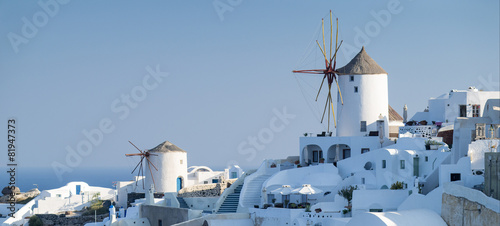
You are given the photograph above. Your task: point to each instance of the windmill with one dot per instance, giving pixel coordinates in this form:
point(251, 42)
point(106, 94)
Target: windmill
point(329, 73)
point(144, 155)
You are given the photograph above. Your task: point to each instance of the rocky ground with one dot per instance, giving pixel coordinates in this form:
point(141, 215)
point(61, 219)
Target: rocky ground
point(20, 197)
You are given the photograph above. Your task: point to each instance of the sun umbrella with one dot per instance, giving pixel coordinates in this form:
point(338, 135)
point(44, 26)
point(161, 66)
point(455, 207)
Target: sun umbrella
point(307, 189)
point(284, 191)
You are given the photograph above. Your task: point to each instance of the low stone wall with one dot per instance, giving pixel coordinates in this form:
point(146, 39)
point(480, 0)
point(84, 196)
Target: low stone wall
point(163, 214)
point(55, 220)
point(465, 206)
point(205, 190)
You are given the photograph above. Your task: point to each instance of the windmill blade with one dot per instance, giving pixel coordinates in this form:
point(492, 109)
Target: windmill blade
point(324, 47)
point(320, 87)
point(333, 111)
point(331, 34)
point(139, 171)
point(340, 93)
point(322, 51)
point(137, 165)
point(320, 71)
point(136, 154)
point(151, 174)
point(326, 105)
point(135, 146)
point(328, 126)
point(149, 161)
point(143, 178)
point(334, 58)
point(336, 34)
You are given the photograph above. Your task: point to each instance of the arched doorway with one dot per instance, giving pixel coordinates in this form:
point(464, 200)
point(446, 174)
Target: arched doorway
point(179, 183)
point(311, 154)
point(338, 152)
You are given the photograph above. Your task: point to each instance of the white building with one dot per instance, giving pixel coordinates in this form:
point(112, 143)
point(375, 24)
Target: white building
point(74, 196)
point(457, 103)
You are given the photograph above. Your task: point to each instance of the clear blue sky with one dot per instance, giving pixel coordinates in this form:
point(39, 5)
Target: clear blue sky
point(225, 77)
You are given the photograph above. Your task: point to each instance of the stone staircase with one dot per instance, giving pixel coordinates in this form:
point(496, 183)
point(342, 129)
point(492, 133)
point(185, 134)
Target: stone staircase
point(182, 203)
point(230, 204)
point(253, 190)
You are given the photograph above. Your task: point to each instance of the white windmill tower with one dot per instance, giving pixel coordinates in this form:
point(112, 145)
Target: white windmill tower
point(364, 90)
point(165, 166)
point(171, 162)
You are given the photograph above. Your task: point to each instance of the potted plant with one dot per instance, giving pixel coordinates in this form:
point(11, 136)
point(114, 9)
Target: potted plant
point(273, 165)
point(347, 192)
point(432, 145)
point(297, 162)
point(322, 160)
point(318, 210)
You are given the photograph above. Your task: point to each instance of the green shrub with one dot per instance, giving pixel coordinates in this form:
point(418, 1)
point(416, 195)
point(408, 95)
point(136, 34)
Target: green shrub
point(346, 192)
point(35, 221)
point(397, 185)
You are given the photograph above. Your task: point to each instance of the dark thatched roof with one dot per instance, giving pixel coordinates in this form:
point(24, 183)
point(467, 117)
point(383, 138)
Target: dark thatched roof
point(393, 115)
point(166, 147)
point(361, 64)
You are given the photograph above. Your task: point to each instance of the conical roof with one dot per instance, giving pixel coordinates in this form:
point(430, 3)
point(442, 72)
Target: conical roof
point(166, 147)
point(361, 64)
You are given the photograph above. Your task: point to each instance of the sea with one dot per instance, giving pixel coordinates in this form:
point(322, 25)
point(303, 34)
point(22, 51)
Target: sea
point(27, 178)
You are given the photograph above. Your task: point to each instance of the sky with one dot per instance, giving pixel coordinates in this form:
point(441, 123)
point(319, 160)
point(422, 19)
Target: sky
point(82, 78)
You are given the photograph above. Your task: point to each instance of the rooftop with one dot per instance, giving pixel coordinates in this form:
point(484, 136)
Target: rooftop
point(361, 64)
point(166, 147)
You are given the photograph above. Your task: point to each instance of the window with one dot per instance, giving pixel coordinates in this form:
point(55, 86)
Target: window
point(383, 164)
point(454, 176)
point(363, 180)
point(351, 78)
point(234, 175)
point(363, 126)
point(462, 111)
point(475, 110)
point(355, 89)
point(426, 158)
point(215, 181)
point(402, 164)
point(160, 223)
point(364, 150)
point(376, 210)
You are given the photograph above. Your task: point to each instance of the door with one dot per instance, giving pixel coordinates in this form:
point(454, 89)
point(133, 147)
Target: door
point(416, 166)
point(179, 183)
point(78, 189)
point(346, 153)
point(463, 111)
